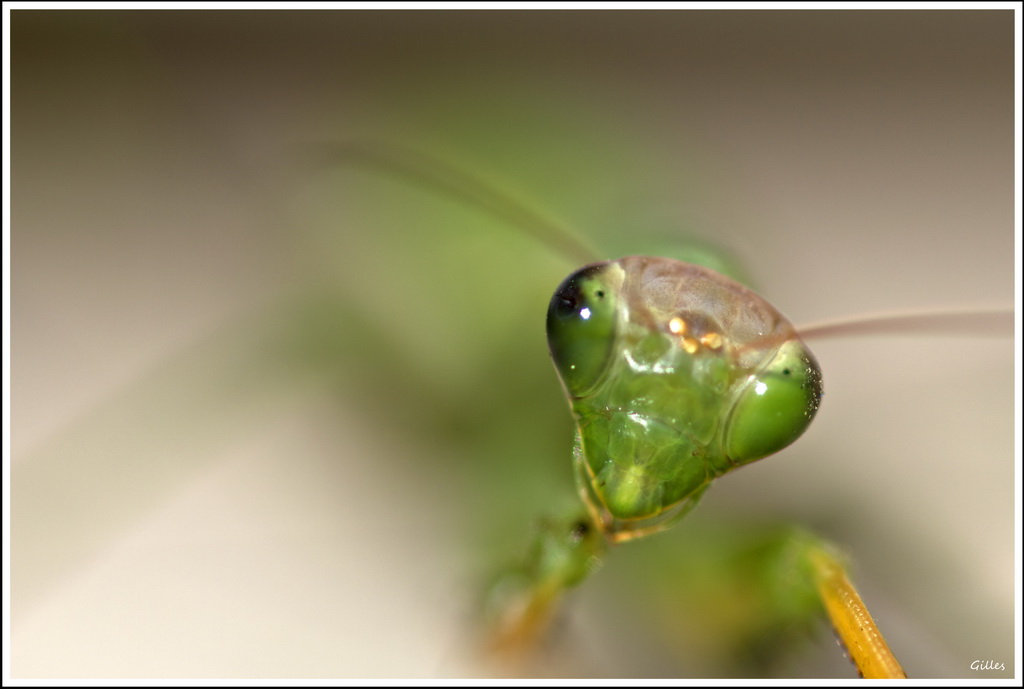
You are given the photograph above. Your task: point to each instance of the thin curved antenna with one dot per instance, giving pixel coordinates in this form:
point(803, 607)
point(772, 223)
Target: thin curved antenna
point(436, 175)
point(967, 323)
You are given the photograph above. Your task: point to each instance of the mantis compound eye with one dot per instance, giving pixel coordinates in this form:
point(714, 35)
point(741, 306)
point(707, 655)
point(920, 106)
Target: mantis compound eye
point(581, 327)
point(776, 405)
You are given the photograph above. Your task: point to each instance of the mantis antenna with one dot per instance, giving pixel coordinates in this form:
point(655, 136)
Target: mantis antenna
point(993, 322)
point(448, 180)
point(438, 176)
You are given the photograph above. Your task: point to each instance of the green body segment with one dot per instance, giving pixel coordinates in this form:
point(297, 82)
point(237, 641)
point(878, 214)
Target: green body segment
point(675, 375)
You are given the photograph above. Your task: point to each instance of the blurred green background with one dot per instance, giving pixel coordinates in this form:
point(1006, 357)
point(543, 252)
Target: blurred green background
point(275, 422)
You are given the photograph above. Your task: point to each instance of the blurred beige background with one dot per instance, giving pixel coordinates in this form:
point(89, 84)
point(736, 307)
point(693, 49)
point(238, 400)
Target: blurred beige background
point(275, 423)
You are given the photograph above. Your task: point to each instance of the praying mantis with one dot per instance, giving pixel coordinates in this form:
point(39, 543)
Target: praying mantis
point(209, 520)
point(632, 451)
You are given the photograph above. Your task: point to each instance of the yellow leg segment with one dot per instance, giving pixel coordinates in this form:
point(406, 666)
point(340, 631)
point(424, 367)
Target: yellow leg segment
point(851, 619)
